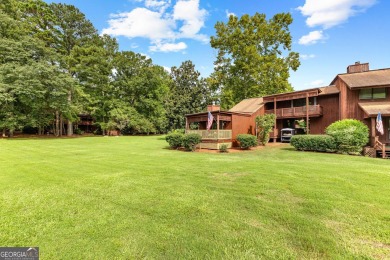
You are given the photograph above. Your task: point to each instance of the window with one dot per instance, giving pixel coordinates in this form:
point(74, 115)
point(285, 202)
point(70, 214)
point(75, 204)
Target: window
point(365, 93)
point(372, 93)
point(378, 93)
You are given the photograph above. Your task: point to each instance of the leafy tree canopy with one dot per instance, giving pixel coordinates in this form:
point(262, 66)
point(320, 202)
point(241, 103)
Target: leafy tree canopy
point(254, 57)
point(188, 94)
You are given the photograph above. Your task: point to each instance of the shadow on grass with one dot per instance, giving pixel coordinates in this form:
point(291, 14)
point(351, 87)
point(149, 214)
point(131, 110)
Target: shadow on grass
point(169, 148)
point(288, 149)
point(47, 138)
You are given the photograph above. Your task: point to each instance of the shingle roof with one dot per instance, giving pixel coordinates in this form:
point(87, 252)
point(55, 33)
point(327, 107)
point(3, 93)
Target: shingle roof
point(373, 108)
point(367, 79)
point(329, 90)
point(250, 105)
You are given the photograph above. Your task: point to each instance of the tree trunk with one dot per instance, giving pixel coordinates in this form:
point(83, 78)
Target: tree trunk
point(57, 126)
point(70, 124)
point(11, 133)
point(103, 129)
point(61, 125)
point(70, 128)
point(4, 132)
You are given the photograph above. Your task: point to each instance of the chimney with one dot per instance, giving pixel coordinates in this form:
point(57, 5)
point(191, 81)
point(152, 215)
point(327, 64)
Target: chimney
point(211, 108)
point(358, 67)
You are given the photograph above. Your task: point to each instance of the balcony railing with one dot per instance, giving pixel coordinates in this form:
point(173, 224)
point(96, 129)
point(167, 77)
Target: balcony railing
point(212, 134)
point(291, 112)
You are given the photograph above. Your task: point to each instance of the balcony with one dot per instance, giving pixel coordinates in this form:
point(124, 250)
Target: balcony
point(294, 112)
point(212, 134)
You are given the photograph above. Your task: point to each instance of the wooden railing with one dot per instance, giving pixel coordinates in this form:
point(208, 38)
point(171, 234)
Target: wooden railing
point(212, 134)
point(314, 110)
point(379, 146)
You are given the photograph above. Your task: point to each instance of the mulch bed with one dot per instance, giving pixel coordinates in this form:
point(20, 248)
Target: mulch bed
point(238, 150)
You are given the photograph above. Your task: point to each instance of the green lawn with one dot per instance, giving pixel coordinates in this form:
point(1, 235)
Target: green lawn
point(131, 197)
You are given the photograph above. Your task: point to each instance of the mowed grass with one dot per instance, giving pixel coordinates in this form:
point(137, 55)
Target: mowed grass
point(133, 198)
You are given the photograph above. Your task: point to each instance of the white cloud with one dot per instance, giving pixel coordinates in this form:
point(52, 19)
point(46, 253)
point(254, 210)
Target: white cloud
point(146, 55)
point(168, 47)
point(161, 27)
point(193, 18)
point(228, 14)
point(329, 13)
point(140, 22)
point(159, 6)
point(307, 56)
point(167, 69)
point(311, 38)
point(156, 4)
point(317, 83)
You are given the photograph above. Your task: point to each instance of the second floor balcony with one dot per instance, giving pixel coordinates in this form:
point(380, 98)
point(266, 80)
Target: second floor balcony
point(295, 112)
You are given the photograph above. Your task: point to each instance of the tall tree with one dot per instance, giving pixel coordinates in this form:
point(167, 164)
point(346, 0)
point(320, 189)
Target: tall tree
point(188, 94)
point(143, 87)
point(54, 65)
point(71, 29)
point(93, 66)
point(254, 57)
point(30, 82)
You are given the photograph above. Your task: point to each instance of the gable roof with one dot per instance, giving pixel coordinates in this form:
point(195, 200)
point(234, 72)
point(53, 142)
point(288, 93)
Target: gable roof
point(250, 106)
point(372, 78)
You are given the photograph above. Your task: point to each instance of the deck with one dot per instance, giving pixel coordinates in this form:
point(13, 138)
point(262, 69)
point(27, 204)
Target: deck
point(295, 112)
point(381, 149)
point(213, 139)
point(212, 134)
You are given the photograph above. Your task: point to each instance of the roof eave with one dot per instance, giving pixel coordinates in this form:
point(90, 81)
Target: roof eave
point(220, 111)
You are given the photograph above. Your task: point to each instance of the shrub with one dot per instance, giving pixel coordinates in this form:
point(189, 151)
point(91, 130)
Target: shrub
point(246, 141)
point(178, 131)
point(264, 125)
point(77, 131)
point(175, 140)
point(190, 141)
point(350, 135)
point(223, 148)
point(319, 143)
point(98, 131)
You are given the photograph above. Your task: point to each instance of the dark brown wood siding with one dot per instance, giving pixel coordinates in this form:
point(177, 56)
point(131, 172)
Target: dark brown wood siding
point(349, 108)
point(244, 124)
point(342, 98)
point(349, 99)
point(330, 113)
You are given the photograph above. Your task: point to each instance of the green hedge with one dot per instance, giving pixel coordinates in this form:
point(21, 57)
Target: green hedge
point(175, 139)
point(319, 143)
point(246, 141)
point(190, 141)
point(350, 135)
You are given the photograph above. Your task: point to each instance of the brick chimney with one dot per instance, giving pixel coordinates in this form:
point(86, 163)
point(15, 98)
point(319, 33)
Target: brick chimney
point(211, 108)
point(358, 67)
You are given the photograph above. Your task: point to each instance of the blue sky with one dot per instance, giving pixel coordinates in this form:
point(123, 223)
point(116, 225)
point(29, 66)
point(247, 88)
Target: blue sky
point(328, 34)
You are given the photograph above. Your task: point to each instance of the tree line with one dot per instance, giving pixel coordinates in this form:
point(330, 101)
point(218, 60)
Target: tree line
point(54, 67)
